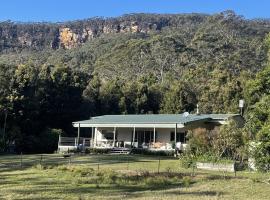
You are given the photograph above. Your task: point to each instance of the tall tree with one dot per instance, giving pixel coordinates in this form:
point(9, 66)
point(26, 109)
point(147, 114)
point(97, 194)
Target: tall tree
point(178, 99)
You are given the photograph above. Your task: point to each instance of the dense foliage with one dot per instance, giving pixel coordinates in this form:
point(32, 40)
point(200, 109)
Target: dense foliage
point(226, 142)
point(258, 118)
point(253, 140)
point(168, 65)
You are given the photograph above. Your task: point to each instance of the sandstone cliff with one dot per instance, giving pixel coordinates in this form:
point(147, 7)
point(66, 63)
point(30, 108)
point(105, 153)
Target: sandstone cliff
point(37, 36)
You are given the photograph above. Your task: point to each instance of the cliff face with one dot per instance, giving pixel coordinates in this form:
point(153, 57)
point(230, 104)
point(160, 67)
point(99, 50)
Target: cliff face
point(15, 37)
point(70, 38)
point(37, 36)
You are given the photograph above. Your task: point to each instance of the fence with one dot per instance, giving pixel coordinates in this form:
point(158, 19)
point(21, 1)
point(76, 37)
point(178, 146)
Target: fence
point(98, 162)
point(72, 143)
point(156, 164)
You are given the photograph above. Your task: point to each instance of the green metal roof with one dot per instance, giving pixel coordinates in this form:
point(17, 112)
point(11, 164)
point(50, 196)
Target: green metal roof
point(154, 118)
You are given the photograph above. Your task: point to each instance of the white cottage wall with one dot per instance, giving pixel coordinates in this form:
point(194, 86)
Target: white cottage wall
point(125, 134)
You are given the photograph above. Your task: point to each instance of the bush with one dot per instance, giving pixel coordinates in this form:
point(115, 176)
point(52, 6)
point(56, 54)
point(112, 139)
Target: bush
point(84, 171)
point(187, 160)
point(212, 158)
point(143, 173)
point(200, 140)
point(45, 142)
point(230, 141)
point(108, 177)
point(84, 175)
point(156, 181)
point(154, 153)
point(96, 151)
point(261, 152)
point(186, 181)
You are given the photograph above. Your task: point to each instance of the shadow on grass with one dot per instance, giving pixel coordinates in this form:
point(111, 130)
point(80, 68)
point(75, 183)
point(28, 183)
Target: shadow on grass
point(33, 198)
point(195, 193)
point(59, 188)
point(116, 190)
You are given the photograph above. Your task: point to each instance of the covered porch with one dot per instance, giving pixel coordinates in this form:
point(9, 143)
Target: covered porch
point(152, 137)
point(148, 131)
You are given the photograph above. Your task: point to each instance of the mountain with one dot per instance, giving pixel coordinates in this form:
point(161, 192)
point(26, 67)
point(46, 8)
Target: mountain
point(54, 73)
point(140, 43)
point(67, 35)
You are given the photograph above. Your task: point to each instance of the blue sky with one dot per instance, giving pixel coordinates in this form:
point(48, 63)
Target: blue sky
point(63, 10)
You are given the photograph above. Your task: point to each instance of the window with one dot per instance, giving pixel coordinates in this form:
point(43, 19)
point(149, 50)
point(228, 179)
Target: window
point(172, 136)
point(180, 137)
point(183, 137)
point(144, 136)
point(149, 136)
point(107, 135)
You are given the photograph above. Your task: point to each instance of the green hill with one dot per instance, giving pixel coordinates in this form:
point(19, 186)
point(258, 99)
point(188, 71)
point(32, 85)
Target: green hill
point(54, 73)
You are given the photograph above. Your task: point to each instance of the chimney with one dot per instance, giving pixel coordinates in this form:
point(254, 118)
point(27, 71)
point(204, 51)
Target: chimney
point(241, 106)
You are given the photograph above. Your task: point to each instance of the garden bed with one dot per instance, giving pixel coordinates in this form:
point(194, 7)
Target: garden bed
point(228, 167)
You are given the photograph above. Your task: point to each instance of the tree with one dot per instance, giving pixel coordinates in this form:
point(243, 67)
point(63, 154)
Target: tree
point(91, 95)
point(135, 98)
point(53, 95)
point(200, 141)
point(230, 142)
point(6, 104)
point(110, 94)
point(164, 53)
point(258, 116)
point(261, 153)
point(258, 87)
point(178, 99)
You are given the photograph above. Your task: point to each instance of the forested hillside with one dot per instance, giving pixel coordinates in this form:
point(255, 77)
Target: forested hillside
point(54, 73)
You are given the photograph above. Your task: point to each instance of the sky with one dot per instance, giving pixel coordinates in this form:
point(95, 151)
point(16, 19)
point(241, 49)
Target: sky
point(66, 10)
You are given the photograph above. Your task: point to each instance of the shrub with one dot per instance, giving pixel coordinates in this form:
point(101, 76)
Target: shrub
point(187, 160)
point(45, 142)
point(261, 152)
point(63, 167)
point(143, 173)
point(84, 171)
point(186, 181)
point(228, 141)
point(156, 181)
point(154, 153)
point(97, 151)
point(39, 166)
point(200, 140)
point(107, 177)
point(213, 158)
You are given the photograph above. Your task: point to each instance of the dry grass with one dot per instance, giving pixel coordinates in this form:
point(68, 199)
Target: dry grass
point(121, 177)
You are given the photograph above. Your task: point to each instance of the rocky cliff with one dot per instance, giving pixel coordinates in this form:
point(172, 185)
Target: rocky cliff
point(69, 38)
point(37, 36)
point(15, 37)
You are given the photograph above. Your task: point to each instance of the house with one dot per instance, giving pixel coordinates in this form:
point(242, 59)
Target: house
point(147, 131)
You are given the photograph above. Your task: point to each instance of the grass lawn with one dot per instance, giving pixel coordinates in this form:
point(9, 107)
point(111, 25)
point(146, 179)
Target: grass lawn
point(121, 177)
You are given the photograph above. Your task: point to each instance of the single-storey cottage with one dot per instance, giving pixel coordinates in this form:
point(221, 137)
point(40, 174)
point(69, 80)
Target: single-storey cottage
point(146, 131)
